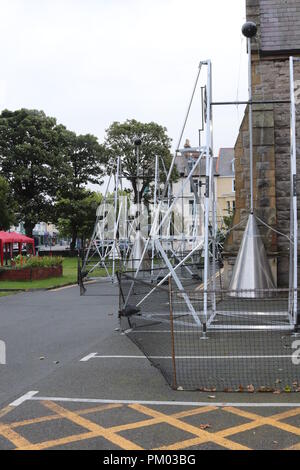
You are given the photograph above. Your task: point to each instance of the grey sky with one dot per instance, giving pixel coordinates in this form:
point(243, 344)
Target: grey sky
point(92, 62)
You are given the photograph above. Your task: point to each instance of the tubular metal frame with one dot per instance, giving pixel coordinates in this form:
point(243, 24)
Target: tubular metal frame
point(210, 218)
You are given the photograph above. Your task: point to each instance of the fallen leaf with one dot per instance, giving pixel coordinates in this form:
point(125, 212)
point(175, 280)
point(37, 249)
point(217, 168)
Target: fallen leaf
point(266, 390)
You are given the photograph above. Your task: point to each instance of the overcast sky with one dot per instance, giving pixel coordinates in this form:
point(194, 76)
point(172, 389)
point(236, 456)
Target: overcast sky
point(92, 62)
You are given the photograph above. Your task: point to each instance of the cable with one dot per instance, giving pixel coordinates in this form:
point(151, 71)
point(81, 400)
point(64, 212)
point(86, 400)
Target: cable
point(189, 107)
point(273, 229)
point(182, 132)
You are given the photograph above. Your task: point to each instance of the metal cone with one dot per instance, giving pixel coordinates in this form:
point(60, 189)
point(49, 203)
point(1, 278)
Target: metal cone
point(137, 252)
point(252, 271)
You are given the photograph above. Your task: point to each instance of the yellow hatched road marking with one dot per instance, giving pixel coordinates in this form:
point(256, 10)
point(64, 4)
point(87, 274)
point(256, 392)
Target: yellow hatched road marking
point(95, 429)
point(42, 419)
point(184, 444)
point(258, 421)
point(195, 411)
point(62, 441)
point(13, 436)
point(203, 436)
point(161, 419)
point(295, 447)
point(286, 414)
point(6, 410)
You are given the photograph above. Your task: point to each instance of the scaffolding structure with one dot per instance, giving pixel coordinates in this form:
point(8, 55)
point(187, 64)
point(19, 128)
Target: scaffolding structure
point(194, 315)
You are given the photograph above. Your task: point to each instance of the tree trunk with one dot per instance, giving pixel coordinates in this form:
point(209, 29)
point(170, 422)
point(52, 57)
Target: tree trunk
point(29, 226)
point(73, 242)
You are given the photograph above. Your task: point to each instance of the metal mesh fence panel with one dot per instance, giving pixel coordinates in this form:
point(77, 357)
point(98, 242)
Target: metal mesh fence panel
point(216, 340)
point(146, 327)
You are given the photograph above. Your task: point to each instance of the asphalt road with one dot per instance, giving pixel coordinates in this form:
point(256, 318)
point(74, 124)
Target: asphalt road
point(55, 325)
point(94, 389)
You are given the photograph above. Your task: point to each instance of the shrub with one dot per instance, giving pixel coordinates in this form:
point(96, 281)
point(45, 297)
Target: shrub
point(38, 262)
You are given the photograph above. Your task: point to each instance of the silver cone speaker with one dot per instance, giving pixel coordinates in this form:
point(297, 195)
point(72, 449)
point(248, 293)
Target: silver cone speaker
point(252, 270)
point(137, 253)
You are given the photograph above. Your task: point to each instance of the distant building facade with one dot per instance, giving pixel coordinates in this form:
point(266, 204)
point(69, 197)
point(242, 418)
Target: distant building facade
point(224, 180)
point(45, 235)
point(225, 183)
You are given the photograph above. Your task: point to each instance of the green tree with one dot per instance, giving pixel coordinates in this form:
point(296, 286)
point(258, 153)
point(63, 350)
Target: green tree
point(32, 159)
point(84, 162)
point(119, 142)
point(7, 205)
point(78, 215)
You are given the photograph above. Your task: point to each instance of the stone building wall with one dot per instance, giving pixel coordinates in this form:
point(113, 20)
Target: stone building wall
point(271, 140)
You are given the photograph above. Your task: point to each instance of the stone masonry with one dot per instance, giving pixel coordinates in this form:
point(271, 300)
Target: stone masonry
point(277, 39)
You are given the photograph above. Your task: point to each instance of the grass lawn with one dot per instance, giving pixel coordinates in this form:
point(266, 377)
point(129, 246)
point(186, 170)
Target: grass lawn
point(69, 277)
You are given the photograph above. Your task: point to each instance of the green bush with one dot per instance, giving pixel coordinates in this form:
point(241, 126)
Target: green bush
point(38, 262)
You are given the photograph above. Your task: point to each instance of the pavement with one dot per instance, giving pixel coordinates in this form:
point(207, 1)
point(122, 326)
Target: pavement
point(71, 381)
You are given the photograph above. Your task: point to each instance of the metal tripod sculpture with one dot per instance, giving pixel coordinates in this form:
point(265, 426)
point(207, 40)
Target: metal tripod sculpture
point(252, 272)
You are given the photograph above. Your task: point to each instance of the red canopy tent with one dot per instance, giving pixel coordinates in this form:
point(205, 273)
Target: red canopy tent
point(9, 238)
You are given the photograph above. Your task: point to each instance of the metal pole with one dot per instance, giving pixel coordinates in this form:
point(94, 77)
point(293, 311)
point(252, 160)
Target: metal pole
point(294, 188)
point(187, 181)
point(181, 135)
point(207, 192)
point(214, 235)
point(198, 247)
point(154, 203)
point(115, 217)
point(182, 219)
point(177, 282)
point(250, 125)
point(172, 334)
point(137, 147)
point(237, 103)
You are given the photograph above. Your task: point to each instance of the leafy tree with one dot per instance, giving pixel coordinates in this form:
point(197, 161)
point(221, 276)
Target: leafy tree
point(78, 215)
point(119, 141)
point(32, 159)
point(226, 226)
point(85, 158)
point(84, 161)
point(7, 205)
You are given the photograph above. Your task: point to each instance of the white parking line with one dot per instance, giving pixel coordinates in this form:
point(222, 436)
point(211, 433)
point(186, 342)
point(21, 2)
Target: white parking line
point(31, 396)
point(88, 357)
point(23, 398)
point(96, 356)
